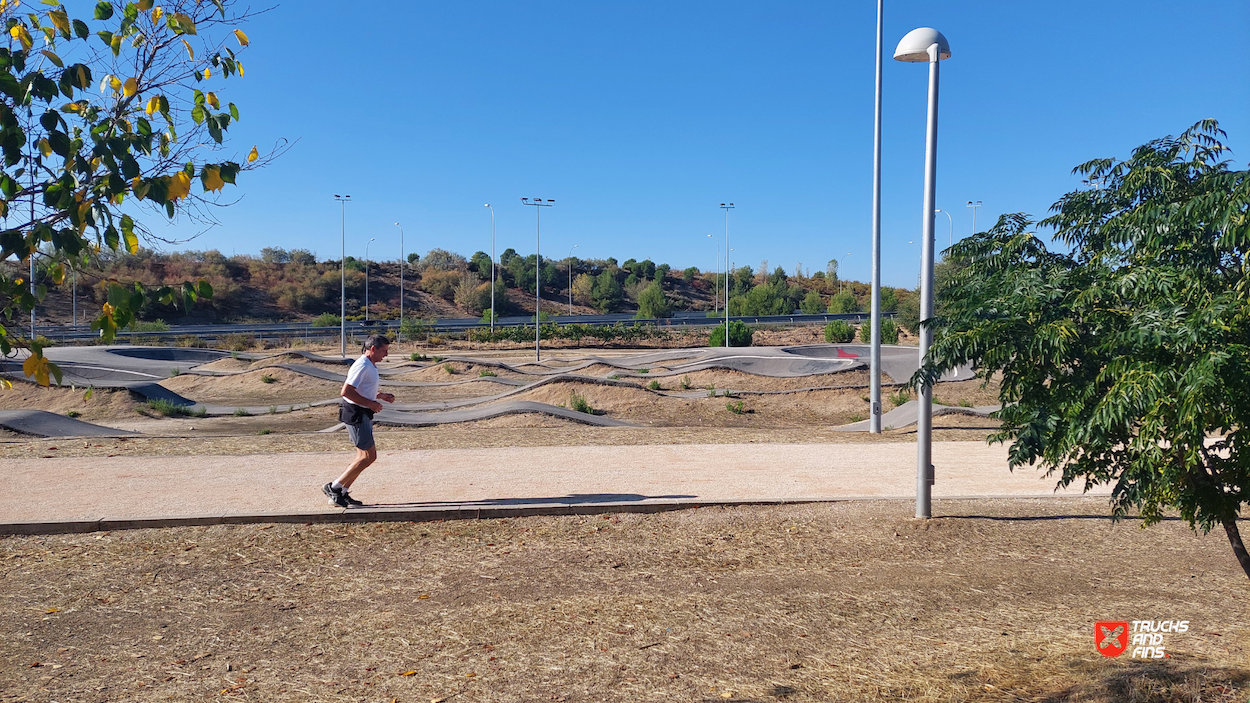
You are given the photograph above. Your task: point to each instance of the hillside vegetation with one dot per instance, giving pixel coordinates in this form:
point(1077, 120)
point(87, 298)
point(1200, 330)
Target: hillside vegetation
point(295, 285)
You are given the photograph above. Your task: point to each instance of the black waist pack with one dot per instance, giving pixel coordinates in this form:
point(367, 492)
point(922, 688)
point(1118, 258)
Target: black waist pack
point(352, 414)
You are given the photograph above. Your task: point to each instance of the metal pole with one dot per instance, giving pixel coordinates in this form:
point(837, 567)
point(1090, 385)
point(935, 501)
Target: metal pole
point(874, 421)
point(538, 268)
point(950, 223)
point(492, 267)
point(571, 278)
point(728, 269)
point(343, 200)
point(367, 279)
point(924, 420)
point(402, 264)
point(974, 207)
point(716, 281)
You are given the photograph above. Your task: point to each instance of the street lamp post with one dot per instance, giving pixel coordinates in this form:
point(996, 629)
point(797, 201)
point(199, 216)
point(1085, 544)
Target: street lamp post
point(874, 354)
point(367, 278)
point(343, 201)
point(921, 45)
point(402, 264)
point(538, 204)
point(727, 208)
point(974, 207)
point(716, 281)
point(492, 266)
point(950, 223)
point(571, 278)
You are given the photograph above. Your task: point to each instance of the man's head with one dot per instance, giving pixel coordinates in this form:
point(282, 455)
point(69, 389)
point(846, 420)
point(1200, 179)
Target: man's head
point(376, 347)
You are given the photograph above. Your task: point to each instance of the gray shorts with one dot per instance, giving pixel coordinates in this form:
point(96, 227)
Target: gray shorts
point(362, 434)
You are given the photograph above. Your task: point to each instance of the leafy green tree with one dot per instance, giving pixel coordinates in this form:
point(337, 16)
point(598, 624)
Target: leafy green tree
point(889, 300)
point(889, 331)
point(1124, 357)
point(843, 303)
point(812, 303)
point(652, 303)
point(908, 313)
point(87, 123)
point(479, 263)
point(606, 293)
point(831, 270)
point(766, 299)
point(688, 274)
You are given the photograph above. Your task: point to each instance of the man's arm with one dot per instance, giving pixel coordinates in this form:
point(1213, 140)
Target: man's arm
point(349, 392)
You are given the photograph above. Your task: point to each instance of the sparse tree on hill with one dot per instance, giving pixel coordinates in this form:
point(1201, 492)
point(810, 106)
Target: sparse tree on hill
point(1125, 356)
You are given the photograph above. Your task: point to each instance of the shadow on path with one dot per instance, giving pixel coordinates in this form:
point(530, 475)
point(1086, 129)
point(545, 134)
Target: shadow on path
point(570, 499)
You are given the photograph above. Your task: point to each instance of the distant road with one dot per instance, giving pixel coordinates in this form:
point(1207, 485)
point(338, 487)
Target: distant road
point(307, 330)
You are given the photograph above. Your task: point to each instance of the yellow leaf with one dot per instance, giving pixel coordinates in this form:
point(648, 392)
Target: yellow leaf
point(144, 5)
point(36, 365)
point(8, 385)
point(239, 65)
point(238, 34)
point(207, 74)
point(211, 178)
point(212, 100)
point(253, 156)
point(19, 33)
point(156, 13)
point(115, 83)
point(60, 20)
point(190, 51)
point(132, 242)
point(45, 148)
point(108, 309)
point(153, 105)
point(179, 185)
point(130, 87)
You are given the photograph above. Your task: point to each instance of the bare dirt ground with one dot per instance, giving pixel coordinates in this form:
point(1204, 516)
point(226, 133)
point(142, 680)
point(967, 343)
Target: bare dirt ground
point(994, 600)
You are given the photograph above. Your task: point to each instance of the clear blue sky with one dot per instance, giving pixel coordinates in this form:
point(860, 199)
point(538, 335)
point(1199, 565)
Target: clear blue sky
point(640, 118)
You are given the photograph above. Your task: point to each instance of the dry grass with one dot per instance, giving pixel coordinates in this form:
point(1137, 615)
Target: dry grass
point(830, 602)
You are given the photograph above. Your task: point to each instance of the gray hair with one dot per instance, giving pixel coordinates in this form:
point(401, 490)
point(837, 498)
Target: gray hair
point(376, 340)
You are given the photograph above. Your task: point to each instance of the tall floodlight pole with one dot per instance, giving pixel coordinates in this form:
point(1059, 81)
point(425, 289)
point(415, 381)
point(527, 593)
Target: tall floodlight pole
point(727, 208)
point(571, 278)
point(402, 264)
point(920, 45)
point(367, 277)
point(974, 206)
point(950, 223)
point(538, 204)
point(492, 266)
point(343, 201)
point(874, 355)
point(716, 281)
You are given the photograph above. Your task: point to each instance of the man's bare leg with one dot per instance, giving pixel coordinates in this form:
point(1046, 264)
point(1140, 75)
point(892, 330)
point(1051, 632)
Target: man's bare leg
point(364, 457)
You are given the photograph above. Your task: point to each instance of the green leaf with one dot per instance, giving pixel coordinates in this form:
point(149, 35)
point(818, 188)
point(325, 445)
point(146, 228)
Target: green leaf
point(103, 10)
point(128, 234)
point(197, 113)
point(81, 30)
point(234, 111)
point(205, 290)
point(56, 60)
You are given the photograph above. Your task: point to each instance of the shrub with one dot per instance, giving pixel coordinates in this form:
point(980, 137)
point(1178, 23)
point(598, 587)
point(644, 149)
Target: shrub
point(486, 372)
point(449, 369)
point(855, 417)
point(412, 327)
point(169, 408)
point(736, 408)
point(644, 370)
point(812, 303)
point(326, 319)
point(418, 357)
point(273, 410)
point(739, 335)
point(151, 326)
point(889, 332)
point(238, 342)
point(175, 372)
point(73, 413)
point(264, 431)
point(191, 341)
point(908, 315)
point(685, 383)
point(241, 412)
point(900, 397)
point(652, 303)
point(839, 332)
point(577, 402)
point(654, 385)
point(266, 378)
point(843, 303)
point(688, 274)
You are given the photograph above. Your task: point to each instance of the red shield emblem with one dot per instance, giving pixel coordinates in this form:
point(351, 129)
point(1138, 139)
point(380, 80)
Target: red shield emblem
point(1111, 637)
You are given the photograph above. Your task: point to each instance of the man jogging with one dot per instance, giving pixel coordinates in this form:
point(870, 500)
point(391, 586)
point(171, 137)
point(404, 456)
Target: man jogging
point(358, 404)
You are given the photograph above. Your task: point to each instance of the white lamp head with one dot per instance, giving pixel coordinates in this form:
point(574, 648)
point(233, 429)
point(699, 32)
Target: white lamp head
point(914, 48)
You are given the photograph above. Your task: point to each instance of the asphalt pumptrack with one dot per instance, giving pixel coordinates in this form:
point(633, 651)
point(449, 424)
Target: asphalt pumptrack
point(81, 494)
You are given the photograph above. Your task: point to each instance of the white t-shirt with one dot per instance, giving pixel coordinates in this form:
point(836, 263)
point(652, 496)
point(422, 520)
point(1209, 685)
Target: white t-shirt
point(363, 376)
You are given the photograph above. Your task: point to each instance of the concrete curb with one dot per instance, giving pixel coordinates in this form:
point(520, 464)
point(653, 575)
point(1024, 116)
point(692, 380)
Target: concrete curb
point(467, 512)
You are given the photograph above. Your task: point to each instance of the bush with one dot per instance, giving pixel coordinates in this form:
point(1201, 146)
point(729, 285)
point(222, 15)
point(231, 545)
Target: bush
point(412, 327)
point(654, 385)
point(736, 408)
point(899, 397)
point(889, 332)
point(908, 315)
point(169, 408)
point(152, 326)
point(266, 378)
point(843, 303)
point(652, 303)
point(739, 335)
point(577, 402)
point(839, 332)
point(326, 319)
point(812, 303)
point(238, 342)
point(688, 274)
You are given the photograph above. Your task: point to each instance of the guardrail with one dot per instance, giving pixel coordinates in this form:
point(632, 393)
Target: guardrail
point(307, 331)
